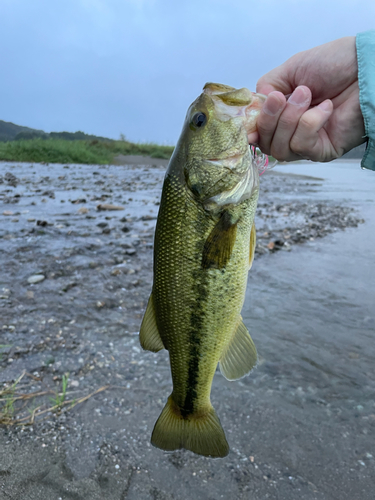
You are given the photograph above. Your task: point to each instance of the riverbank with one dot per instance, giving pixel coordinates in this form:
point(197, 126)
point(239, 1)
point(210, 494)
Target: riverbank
point(57, 150)
point(86, 232)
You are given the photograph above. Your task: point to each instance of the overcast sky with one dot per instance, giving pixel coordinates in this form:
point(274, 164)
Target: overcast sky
point(133, 66)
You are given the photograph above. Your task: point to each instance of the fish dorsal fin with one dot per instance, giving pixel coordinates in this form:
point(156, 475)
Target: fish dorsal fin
point(219, 244)
point(253, 241)
point(149, 335)
point(240, 355)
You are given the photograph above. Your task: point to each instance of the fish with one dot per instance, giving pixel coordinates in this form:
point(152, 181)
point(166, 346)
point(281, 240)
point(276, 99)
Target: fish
point(203, 249)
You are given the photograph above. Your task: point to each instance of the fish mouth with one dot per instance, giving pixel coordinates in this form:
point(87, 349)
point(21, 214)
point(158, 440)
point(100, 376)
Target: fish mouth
point(231, 103)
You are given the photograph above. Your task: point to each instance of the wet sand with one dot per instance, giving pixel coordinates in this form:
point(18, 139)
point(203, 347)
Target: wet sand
point(301, 426)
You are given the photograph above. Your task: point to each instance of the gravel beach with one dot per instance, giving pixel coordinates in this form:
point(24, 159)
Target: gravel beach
point(76, 272)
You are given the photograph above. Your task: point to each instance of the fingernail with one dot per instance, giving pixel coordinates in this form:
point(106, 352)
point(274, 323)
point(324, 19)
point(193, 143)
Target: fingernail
point(299, 97)
point(325, 106)
point(272, 106)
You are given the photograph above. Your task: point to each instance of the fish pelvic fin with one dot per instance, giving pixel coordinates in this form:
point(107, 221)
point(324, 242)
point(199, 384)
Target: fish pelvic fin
point(240, 355)
point(149, 335)
point(199, 433)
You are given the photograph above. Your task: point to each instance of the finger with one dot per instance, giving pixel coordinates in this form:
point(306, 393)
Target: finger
point(268, 118)
point(287, 124)
point(310, 139)
point(253, 138)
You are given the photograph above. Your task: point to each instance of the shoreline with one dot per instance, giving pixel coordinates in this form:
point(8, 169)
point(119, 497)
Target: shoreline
point(83, 318)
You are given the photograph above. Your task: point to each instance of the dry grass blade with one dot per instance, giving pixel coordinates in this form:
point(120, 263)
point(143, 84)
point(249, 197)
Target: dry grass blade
point(63, 407)
point(13, 402)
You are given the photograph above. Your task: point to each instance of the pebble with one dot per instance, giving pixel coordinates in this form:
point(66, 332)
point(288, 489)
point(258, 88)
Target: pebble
point(8, 212)
point(106, 206)
point(36, 278)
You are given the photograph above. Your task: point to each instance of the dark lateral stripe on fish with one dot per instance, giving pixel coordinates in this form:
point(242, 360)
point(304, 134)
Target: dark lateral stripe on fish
point(196, 324)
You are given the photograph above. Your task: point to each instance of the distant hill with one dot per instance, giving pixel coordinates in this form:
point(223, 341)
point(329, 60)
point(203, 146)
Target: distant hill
point(8, 131)
point(11, 132)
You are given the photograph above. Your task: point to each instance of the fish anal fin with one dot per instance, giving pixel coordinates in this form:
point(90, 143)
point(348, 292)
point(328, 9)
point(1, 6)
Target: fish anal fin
point(149, 335)
point(201, 434)
point(240, 355)
point(253, 242)
point(219, 244)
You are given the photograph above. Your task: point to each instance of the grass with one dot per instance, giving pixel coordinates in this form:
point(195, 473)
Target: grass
point(15, 408)
point(67, 151)
point(59, 398)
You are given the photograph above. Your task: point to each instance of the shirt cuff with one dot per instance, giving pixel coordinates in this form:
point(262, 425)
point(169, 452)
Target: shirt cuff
point(368, 160)
point(365, 43)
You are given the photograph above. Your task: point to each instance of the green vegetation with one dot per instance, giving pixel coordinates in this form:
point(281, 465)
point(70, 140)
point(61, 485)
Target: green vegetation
point(77, 151)
point(59, 398)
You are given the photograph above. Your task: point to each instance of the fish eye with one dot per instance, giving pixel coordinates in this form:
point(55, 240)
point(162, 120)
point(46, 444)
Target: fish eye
point(199, 120)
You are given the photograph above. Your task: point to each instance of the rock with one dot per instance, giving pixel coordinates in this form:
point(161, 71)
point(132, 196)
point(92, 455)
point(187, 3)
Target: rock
point(148, 217)
point(8, 212)
point(83, 210)
point(42, 223)
point(70, 285)
point(36, 278)
point(49, 193)
point(79, 200)
point(11, 179)
point(130, 251)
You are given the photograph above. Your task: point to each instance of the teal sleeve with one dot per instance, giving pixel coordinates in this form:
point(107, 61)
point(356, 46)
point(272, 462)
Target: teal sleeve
point(366, 77)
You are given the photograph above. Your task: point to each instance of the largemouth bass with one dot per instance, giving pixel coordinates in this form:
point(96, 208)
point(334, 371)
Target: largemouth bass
point(204, 248)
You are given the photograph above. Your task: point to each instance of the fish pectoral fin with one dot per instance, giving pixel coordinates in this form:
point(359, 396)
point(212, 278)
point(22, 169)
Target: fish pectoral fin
point(219, 244)
point(149, 335)
point(240, 356)
point(253, 242)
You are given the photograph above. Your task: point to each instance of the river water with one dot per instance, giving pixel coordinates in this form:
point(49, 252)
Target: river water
point(312, 311)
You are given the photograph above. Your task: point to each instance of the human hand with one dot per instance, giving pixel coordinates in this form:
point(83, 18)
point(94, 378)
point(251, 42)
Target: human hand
point(312, 110)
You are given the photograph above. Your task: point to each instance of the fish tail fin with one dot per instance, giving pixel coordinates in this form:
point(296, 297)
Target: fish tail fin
point(200, 433)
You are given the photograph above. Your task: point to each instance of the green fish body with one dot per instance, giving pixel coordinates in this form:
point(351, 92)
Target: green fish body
point(204, 247)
